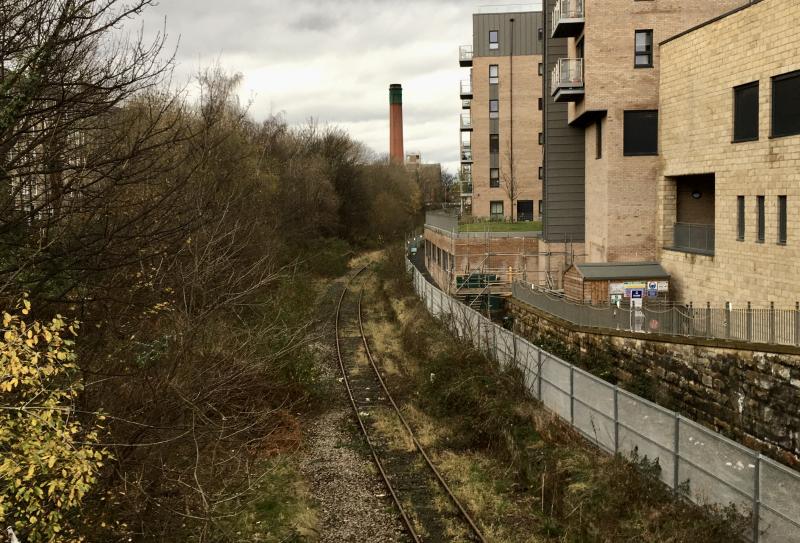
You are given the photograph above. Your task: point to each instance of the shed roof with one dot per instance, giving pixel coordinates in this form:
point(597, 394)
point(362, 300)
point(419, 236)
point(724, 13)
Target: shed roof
point(622, 270)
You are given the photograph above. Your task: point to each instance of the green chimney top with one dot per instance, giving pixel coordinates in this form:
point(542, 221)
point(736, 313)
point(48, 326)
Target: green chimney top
point(395, 93)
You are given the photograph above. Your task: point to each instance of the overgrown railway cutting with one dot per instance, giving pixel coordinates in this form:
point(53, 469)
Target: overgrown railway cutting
point(416, 487)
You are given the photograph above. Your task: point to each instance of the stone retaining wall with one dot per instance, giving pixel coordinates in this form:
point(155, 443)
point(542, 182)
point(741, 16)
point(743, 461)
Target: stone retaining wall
point(751, 396)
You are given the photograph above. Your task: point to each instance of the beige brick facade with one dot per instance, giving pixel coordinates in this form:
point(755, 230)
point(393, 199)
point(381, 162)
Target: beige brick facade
point(698, 73)
point(527, 123)
point(621, 190)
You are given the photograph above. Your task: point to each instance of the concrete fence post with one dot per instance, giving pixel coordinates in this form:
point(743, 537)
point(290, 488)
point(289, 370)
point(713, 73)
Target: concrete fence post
point(757, 499)
point(676, 453)
point(708, 319)
point(539, 364)
point(572, 395)
point(616, 419)
point(749, 318)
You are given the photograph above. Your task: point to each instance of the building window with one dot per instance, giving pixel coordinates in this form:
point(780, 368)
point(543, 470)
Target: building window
point(641, 133)
point(785, 105)
point(745, 112)
point(760, 218)
point(540, 104)
point(541, 34)
point(494, 39)
point(494, 74)
point(740, 218)
point(494, 144)
point(496, 211)
point(782, 220)
point(494, 178)
point(599, 139)
point(541, 138)
point(541, 172)
point(494, 109)
point(643, 56)
point(541, 69)
point(540, 209)
point(579, 52)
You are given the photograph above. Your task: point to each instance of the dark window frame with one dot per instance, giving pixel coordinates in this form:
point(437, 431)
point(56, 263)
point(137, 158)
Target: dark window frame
point(649, 53)
point(761, 219)
point(496, 77)
point(737, 98)
point(541, 68)
point(626, 151)
point(775, 115)
point(741, 224)
point(492, 214)
point(494, 182)
point(541, 172)
point(541, 138)
point(494, 138)
point(598, 139)
point(496, 43)
point(783, 219)
point(541, 104)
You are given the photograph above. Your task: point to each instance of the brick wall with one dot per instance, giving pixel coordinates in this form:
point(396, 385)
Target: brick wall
point(698, 73)
point(750, 396)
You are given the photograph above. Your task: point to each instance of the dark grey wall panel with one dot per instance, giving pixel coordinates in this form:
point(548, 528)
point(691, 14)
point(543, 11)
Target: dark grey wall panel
point(564, 162)
point(526, 40)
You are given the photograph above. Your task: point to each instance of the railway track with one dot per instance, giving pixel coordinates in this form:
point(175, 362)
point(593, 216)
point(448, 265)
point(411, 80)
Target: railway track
point(426, 504)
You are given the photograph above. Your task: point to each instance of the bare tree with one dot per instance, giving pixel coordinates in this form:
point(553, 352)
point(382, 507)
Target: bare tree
point(509, 179)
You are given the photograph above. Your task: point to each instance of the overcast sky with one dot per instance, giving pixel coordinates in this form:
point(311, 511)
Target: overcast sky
point(334, 60)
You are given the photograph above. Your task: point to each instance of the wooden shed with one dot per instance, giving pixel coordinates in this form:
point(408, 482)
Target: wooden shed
point(604, 283)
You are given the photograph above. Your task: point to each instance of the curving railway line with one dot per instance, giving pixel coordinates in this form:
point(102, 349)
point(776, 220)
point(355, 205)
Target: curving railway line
point(416, 487)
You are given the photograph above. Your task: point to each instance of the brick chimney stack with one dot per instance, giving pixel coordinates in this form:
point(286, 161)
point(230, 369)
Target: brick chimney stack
point(396, 152)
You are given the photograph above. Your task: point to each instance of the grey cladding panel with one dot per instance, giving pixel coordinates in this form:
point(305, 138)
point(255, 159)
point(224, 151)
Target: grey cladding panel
point(564, 161)
point(526, 33)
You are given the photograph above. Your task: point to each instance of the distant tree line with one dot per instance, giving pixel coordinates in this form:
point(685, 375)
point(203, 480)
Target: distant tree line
point(156, 261)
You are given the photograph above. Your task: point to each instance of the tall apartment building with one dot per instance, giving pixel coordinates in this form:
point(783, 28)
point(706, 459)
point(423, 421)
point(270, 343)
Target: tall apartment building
point(501, 125)
point(601, 119)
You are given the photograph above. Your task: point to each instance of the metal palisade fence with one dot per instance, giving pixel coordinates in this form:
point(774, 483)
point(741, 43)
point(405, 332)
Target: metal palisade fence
point(770, 325)
point(710, 467)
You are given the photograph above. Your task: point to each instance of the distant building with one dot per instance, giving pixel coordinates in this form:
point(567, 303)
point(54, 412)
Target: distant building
point(427, 176)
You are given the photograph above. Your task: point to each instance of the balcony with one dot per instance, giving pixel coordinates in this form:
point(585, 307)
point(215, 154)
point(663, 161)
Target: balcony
point(466, 104)
point(568, 18)
point(465, 56)
point(693, 238)
point(566, 84)
point(466, 152)
point(466, 90)
point(466, 189)
point(466, 122)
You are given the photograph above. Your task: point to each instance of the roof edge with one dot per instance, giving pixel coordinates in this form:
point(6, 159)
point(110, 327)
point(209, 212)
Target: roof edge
point(749, 4)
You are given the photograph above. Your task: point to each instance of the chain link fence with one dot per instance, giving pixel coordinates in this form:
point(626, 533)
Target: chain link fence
point(710, 467)
point(771, 326)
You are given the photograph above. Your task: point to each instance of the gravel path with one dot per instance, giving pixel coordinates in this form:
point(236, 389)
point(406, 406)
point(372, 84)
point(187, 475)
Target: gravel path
point(353, 505)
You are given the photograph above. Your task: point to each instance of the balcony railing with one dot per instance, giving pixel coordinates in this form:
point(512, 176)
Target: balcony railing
point(466, 188)
point(693, 238)
point(465, 55)
point(466, 89)
point(466, 152)
point(568, 18)
point(567, 81)
point(466, 104)
point(466, 121)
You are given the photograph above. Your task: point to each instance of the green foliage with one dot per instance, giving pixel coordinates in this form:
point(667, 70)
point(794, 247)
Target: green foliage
point(50, 459)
